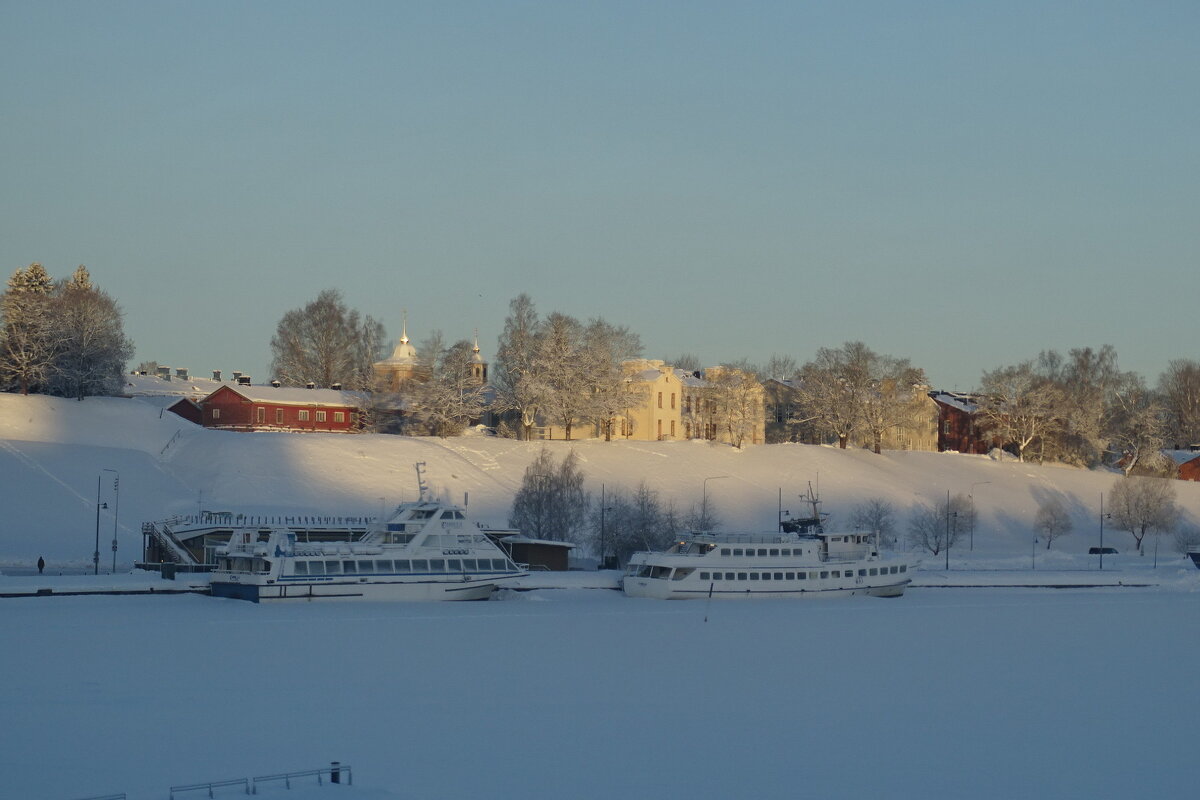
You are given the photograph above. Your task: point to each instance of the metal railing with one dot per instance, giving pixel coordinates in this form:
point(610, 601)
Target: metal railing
point(120, 796)
point(194, 787)
point(335, 772)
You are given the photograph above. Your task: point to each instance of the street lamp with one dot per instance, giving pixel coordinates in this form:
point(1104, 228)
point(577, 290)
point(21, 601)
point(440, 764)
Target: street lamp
point(971, 497)
point(99, 505)
point(1033, 554)
point(704, 498)
point(603, 508)
point(1102, 516)
point(948, 528)
point(116, 513)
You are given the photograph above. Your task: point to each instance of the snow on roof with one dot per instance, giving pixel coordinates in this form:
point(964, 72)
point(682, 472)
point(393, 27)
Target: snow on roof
point(154, 386)
point(963, 402)
point(297, 396)
point(527, 540)
point(1181, 457)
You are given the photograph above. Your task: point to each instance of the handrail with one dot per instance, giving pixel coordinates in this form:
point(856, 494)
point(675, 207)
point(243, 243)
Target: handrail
point(245, 782)
point(334, 772)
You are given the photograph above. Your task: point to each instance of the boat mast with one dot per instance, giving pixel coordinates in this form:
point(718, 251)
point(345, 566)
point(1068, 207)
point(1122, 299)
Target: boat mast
point(422, 487)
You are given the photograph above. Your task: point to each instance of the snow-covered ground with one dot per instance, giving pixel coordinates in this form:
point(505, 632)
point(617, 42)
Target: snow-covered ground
point(953, 690)
point(54, 453)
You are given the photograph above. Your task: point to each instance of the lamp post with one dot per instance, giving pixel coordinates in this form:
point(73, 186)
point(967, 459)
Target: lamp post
point(948, 528)
point(971, 497)
point(1102, 530)
point(603, 508)
point(704, 498)
point(116, 513)
point(1033, 554)
point(99, 505)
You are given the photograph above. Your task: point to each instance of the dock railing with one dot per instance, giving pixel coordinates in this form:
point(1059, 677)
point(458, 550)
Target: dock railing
point(195, 787)
point(335, 772)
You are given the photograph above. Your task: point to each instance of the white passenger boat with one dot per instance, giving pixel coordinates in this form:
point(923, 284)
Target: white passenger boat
point(776, 564)
point(427, 550)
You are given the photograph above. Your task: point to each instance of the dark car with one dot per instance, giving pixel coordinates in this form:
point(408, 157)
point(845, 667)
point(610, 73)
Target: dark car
point(1102, 551)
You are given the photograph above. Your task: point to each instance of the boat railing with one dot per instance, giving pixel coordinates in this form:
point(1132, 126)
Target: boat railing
point(208, 787)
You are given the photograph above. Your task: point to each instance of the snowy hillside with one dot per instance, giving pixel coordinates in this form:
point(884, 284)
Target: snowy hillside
point(53, 454)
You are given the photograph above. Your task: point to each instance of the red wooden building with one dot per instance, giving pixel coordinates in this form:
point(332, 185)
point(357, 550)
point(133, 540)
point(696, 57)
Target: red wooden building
point(958, 428)
point(277, 408)
point(1187, 463)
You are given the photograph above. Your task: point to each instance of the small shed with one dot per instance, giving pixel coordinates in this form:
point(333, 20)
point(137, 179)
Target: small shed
point(1187, 463)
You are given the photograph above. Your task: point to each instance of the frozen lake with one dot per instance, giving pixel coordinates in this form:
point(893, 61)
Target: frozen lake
point(571, 693)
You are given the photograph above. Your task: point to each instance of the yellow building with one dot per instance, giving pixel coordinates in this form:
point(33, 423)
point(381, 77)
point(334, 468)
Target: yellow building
point(665, 403)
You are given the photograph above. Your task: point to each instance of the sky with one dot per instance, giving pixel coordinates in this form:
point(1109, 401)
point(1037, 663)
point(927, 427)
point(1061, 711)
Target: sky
point(960, 184)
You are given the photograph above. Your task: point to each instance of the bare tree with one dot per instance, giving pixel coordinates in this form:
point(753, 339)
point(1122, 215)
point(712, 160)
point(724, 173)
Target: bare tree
point(1052, 519)
point(893, 388)
point(327, 343)
point(877, 516)
point(1088, 381)
point(1143, 505)
point(737, 402)
point(551, 503)
point(1180, 390)
point(939, 526)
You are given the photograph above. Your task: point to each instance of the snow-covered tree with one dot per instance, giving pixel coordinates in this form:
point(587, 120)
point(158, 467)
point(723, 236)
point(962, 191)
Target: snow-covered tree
point(609, 391)
point(1143, 505)
point(737, 402)
point(326, 343)
point(551, 503)
point(28, 341)
point(1088, 381)
point(447, 402)
point(1137, 427)
point(562, 366)
point(517, 374)
point(91, 347)
point(1052, 520)
point(852, 388)
point(1019, 405)
point(1179, 387)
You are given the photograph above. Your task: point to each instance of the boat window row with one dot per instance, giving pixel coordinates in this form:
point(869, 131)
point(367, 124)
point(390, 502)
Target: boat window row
point(763, 551)
point(379, 566)
point(800, 576)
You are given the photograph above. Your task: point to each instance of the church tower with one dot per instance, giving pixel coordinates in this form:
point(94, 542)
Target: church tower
point(403, 366)
point(479, 367)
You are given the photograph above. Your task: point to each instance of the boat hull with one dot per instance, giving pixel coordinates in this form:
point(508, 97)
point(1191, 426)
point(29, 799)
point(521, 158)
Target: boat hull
point(403, 591)
point(663, 590)
point(1194, 555)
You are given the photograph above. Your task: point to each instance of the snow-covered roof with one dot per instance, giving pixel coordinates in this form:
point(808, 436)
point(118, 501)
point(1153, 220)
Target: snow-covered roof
point(297, 396)
point(154, 386)
point(1181, 457)
point(963, 402)
point(527, 540)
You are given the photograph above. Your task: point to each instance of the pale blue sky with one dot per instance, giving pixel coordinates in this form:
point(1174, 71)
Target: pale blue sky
point(962, 184)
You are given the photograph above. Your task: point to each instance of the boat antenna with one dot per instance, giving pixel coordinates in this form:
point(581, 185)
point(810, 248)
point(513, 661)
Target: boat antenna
point(422, 487)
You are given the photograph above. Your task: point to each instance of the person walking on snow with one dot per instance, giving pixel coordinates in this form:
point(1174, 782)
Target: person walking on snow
point(41, 564)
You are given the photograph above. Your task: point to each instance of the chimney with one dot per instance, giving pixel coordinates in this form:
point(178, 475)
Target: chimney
point(336, 387)
point(217, 375)
point(182, 373)
point(310, 385)
point(242, 380)
point(276, 384)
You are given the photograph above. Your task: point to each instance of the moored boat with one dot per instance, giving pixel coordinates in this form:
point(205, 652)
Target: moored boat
point(1194, 555)
point(767, 565)
point(427, 550)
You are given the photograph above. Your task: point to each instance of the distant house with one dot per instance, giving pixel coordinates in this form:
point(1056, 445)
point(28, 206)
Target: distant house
point(277, 408)
point(958, 428)
point(1187, 463)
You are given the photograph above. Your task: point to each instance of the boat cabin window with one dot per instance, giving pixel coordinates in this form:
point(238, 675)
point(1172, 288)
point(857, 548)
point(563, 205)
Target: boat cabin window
point(874, 571)
point(300, 568)
point(333, 568)
point(791, 576)
point(366, 566)
point(728, 576)
point(741, 576)
point(774, 551)
point(437, 565)
point(801, 576)
point(468, 565)
point(862, 573)
point(402, 565)
point(704, 576)
point(778, 576)
point(454, 564)
point(418, 565)
point(726, 551)
point(316, 568)
point(349, 568)
point(737, 551)
point(824, 574)
point(383, 565)
point(904, 568)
